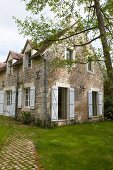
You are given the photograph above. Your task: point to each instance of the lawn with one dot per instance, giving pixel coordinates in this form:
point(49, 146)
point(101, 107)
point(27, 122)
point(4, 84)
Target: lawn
point(74, 147)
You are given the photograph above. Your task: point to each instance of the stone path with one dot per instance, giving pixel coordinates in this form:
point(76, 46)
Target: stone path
point(18, 154)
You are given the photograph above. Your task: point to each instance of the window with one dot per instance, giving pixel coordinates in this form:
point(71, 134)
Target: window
point(9, 97)
point(90, 65)
point(27, 97)
point(69, 54)
point(27, 60)
point(9, 68)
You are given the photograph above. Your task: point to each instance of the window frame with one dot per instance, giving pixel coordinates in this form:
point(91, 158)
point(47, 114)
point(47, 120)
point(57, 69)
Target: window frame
point(27, 97)
point(9, 67)
point(28, 60)
point(69, 53)
point(91, 70)
point(9, 97)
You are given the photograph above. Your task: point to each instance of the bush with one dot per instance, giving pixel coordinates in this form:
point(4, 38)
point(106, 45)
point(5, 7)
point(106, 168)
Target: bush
point(26, 117)
point(108, 108)
point(44, 122)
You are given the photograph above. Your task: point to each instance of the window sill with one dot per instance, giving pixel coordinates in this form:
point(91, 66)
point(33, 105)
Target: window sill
point(91, 72)
point(9, 74)
point(25, 108)
point(92, 117)
point(28, 68)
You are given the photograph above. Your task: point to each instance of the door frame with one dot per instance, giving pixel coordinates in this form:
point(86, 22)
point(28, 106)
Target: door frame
point(90, 108)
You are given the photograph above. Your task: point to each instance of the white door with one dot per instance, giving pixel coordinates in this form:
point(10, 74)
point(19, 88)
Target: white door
point(10, 103)
point(1, 102)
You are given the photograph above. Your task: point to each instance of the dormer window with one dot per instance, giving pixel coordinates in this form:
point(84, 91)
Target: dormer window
point(90, 65)
point(27, 60)
point(9, 67)
point(69, 54)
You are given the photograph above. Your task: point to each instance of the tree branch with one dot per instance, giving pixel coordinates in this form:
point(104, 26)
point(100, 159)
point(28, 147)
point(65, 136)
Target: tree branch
point(79, 45)
point(73, 34)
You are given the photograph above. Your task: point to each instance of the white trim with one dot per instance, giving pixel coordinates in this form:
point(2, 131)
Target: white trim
point(54, 103)
point(98, 91)
point(65, 52)
point(25, 60)
point(92, 65)
point(9, 70)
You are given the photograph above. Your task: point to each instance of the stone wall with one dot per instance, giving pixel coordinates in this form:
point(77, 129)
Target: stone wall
point(78, 76)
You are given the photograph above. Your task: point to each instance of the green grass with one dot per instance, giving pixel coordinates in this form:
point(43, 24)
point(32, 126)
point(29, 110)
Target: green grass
point(74, 147)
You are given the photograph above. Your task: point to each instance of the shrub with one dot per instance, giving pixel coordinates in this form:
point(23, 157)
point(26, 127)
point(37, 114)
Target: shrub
point(26, 117)
point(44, 122)
point(108, 108)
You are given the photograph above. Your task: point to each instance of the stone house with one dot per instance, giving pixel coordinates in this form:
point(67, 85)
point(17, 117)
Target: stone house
point(29, 82)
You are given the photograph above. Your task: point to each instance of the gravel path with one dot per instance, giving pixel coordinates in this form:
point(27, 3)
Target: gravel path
point(18, 154)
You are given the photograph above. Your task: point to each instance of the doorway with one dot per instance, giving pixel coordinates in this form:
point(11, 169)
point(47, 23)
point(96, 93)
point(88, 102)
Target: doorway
point(94, 102)
point(62, 103)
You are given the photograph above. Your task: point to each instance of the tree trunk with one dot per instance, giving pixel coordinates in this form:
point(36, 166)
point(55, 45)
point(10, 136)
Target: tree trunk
point(105, 46)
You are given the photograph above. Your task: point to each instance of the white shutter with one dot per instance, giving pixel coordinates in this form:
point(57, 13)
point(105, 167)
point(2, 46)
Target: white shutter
point(12, 112)
point(65, 53)
point(32, 97)
point(100, 102)
point(71, 103)
point(20, 98)
point(90, 109)
point(73, 55)
point(54, 102)
point(1, 102)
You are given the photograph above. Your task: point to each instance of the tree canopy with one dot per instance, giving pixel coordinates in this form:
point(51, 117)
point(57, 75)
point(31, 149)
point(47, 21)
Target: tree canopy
point(92, 16)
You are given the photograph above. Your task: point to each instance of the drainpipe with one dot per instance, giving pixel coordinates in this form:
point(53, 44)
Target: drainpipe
point(16, 97)
point(45, 83)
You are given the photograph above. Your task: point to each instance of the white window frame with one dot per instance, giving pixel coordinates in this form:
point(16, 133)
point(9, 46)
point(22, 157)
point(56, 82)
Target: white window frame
point(27, 95)
point(9, 68)
point(72, 53)
point(9, 97)
point(69, 54)
point(28, 54)
point(99, 104)
point(27, 59)
point(92, 67)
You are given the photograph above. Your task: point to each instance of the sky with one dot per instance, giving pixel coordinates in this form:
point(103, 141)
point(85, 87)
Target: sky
point(10, 39)
point(9, 35)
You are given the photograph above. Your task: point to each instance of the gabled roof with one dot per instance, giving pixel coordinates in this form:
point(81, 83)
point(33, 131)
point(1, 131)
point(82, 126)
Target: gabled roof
point(2, 66)
point(40, 47)
point(31, 43)
point(14, 55)
point(18, 62)
point(43, 45)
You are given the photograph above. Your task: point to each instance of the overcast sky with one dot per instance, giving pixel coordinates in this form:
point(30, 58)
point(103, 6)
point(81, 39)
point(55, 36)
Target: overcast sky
point(10, 39)
point(9, 35)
